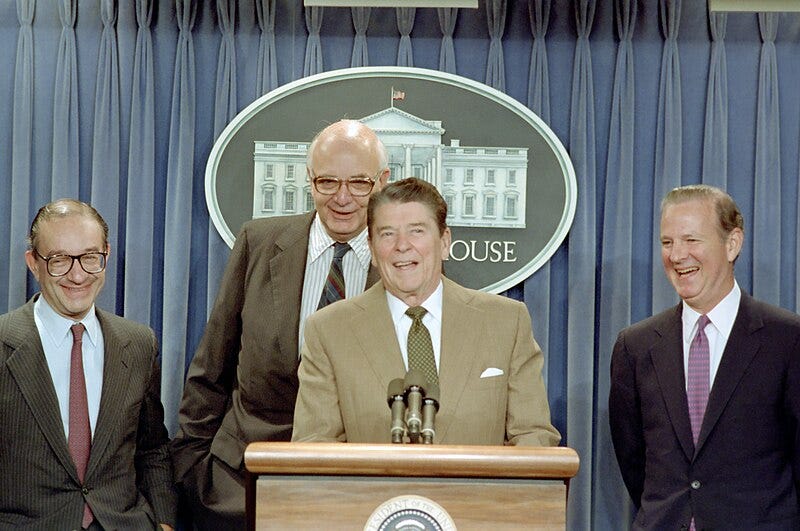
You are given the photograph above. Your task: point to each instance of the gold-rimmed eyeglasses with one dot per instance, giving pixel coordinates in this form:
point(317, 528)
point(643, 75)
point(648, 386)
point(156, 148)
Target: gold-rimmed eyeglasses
point(357, 186)
point(59, 265)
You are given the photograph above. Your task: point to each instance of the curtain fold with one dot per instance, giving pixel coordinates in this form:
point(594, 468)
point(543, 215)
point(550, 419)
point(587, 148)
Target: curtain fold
point(313, 61)
point(582, 258)
point(767, 193)
point(177, 247)
point(405, 24)
point(140, 214)
point(225, 108)
point(715, 131)
point(447, 52)
point(21, 153)
point(537, 287)
point(106, 174)
point(267, 76)
point(360, 55)
point(65, 108)
point(495, 65)
point(616, 263)
point(669, 141)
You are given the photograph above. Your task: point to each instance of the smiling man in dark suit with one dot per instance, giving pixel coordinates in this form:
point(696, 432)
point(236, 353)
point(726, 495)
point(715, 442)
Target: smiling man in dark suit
point(82, 436)
point(705, 397)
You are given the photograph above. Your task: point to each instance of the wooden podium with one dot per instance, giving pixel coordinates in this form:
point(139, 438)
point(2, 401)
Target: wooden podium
point(347, 486)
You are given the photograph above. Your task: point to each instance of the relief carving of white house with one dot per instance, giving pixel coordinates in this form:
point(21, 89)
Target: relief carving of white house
point(484, 186)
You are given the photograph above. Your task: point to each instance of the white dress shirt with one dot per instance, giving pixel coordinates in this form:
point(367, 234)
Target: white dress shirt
point(355, 266)
point(432, 321)
point(56, 336)
point(718, 330)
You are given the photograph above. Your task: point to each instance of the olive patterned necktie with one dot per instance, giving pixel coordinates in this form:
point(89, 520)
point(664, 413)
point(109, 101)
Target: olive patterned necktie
point(420, 346)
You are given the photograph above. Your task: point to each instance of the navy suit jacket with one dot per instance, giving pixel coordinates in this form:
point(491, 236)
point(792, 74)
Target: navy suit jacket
point(745, 471)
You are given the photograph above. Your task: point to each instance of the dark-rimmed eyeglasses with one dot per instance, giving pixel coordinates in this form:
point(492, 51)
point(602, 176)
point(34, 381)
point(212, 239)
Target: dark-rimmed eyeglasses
point(357, 186)
point(59, 265)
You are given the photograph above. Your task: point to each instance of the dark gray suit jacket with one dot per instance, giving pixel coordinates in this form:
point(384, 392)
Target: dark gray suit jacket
point(242, 383)
point(745, 471)
point(128, 481)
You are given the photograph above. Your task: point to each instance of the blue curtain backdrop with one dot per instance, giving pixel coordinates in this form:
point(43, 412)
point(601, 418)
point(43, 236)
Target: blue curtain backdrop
point(119, 103)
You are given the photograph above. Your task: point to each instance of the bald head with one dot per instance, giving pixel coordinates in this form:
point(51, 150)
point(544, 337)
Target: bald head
point(352, 136)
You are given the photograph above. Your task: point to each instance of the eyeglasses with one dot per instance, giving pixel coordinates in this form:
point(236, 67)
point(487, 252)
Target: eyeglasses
point(59, 265)
point(357, 186)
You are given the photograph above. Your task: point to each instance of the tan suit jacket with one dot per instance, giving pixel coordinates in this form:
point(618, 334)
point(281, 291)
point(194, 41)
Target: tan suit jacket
point(128, 482)
point(351, 354)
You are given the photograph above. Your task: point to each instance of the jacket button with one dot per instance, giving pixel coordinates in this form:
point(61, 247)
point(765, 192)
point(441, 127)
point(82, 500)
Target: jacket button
point(695, 484)
point(85, 490)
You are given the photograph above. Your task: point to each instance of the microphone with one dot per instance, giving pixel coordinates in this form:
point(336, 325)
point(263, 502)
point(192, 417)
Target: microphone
point(415, 391)
point(396, 397)
point(430, 405)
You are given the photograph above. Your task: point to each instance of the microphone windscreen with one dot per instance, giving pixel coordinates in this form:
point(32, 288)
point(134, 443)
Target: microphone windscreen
point(396, 388)
point(433, 394)
point(415, 378)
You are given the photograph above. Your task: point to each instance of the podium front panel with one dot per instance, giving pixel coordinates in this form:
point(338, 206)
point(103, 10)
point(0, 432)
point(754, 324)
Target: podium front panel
point(347, 502)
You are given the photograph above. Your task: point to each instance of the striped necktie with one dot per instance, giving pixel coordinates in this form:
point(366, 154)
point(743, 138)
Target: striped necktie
point(334, 284)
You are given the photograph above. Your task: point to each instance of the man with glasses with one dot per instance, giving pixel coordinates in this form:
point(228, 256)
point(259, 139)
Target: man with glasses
point(242, 383)
point(81, 423)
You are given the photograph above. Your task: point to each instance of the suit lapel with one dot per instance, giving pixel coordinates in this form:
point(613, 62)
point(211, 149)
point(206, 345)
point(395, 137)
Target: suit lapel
point(288, 265)
point(377, 339)
point(28, 367)
point(667, 357)
point(462, 331)
point(116, 369)
point(741, 348)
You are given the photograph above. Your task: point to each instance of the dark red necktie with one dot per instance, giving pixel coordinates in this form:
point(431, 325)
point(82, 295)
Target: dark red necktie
point(80, 434)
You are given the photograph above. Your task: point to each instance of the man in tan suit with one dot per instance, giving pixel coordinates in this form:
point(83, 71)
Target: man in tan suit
point(488, 364)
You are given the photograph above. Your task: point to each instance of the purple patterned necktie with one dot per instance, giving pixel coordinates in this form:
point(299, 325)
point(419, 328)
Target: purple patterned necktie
point(697, 387)
point(80, 433)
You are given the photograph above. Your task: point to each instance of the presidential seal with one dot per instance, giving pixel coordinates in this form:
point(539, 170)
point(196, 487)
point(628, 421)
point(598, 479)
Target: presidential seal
point(410, 513)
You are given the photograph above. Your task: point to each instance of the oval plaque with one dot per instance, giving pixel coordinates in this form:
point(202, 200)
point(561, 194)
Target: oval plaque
point(508, 181)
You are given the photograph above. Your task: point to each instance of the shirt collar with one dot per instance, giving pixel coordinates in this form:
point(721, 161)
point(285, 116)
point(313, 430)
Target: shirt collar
point(721, 316)
point(433, 304)
point(58, 327)
point(319, 240)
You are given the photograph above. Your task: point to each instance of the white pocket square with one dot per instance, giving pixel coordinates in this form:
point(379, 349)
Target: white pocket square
point(491, 371)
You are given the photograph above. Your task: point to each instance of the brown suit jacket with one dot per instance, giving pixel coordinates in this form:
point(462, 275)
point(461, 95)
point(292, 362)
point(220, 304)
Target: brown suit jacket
point(128, 481)
point(351, 354)
point(242, 383)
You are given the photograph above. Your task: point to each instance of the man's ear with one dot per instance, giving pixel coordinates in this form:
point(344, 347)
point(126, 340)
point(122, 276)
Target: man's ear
point(733, 245)
point(30, 261)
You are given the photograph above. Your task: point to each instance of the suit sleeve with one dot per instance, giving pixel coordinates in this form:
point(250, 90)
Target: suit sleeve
point(624, 411)
point(792, 398)
point(211, 375)
point(528, 415)
point(317, 417)
point(152, 458)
